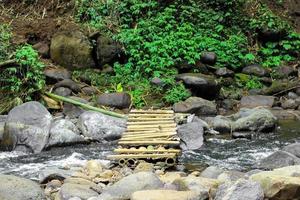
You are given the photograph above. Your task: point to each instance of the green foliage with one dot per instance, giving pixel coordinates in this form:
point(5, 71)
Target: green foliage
point(5, 37)
point(253, 83)
point(27, 78)
point(176, 94)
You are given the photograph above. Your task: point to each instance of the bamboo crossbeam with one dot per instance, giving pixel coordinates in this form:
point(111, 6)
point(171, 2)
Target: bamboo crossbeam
point(151, 122)
point(153, 111)
point(144, 119)
point(150, 115)
point(146, 142)
point(129, 129)
point(177, 151)
point(152, 126)
point(149, 134)
point(154, 156)
point(154, 138)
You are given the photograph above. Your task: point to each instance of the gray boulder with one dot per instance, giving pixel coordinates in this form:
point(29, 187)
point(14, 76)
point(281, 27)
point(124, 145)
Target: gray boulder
point(72, 111)
point(98, 126)
point(71, 190)
point(224, 72)
point(289, 104)
point(15, 188)
point(293, 149)
point(209, 58)
point(211, 172)
point(50, 173)
point(256, 101)
point(118, 100)
point(3, 119)
point(27, 126)
point(277, 160)
point(62, 91)
point(64, 132)
point(108, 51)
point(197, 106)
point(191, 136)
point(240, 190)
point(221, 124)
point(255, 70)
point(68, 83)
point(54, 75)
point(123, 189)
point(72, 49)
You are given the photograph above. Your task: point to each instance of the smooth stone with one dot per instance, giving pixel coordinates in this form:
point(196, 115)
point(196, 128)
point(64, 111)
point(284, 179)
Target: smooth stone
point(70, 190)
point(289, 104)
point(72, 111)
point(257, 101)
point(89, 91)
point(165, 195)
point(293, 149)
point(211, 172)
point(209, 58)
point(68, 83)
point(255, 70)
point(230, 176)
point(54, 75)
point(191, 136)
point(224, 72)
point(118, 100)
point(246, 135)
point(63, 91)
point(108, 51)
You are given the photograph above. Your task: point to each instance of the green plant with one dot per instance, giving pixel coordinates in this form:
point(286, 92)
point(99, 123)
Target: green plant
point(5, 37)
point(253, 83)
point(176, 94)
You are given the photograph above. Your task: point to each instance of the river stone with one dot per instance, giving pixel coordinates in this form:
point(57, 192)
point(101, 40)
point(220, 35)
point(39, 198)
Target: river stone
point(293, 149)
point(27, 125)
point(257, 101)
point(197, 106)
point(72, 111)
point(211, 172)
point(54, 75)
point(72, 49)
point(240, 190)
point(209, 58)
point(3, 119)
point(63, 91)
point(246, 135)
point(285, 71)
point(69, 190)
point(52, 173)
point(89, 90)
point(224, 72)
point(118, 100)
point(191, 136)
point(221, 124)
point(123, 189)
point(108, 51)
point(278, 159)
point(230, 176)
point(16, 188)
point(98, 126)
point(68, 83)
point(255, 70)
point(289, 104)
point(201, 85)
point(257, 119)
point(164, 195)
point(64, 132)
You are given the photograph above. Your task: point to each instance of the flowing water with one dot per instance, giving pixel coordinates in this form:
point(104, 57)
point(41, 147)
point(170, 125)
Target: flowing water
point(239, 154)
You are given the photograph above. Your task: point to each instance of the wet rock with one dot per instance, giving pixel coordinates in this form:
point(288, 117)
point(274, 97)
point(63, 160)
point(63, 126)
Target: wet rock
point(269, 35)
point(293, 149)
point(15, 188)
point(285, 71)
point(255, 70)
point(209, 58)
point(221, 124)
point(62, 91)
point(54, 75)
point(108, 51)
point(246, 135)
point(257, 119)
point(241, 189)
point(70, 190)
point(89, 91)
point(201, 85)
point(118, 100)
point(277, 160)
point(224, 72)
point(297, 91)
point(3, 119)
point(99, 127)
point(257, 101)
point(28, 126)
point(72, 49)
point(54, 173)
point(197, 106)
point(289, 104)
point(144, 167)
point(229, 104)
point(42, 48)
point(292, 95)
point(165, 195)
point(72, 111)
point(93, 168)
point(191, 136)
point(123, 189)
point(68, 83)
point(64, 132)
point(230, 176)
point(211, 172)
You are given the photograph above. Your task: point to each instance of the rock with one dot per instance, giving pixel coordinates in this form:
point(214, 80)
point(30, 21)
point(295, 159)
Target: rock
point(278, 184)
point(89, 91)
point(72, 49)
point(297, 91)
point(289, 104)
point(62, 91)
point(15, 188)
point(100, 127)
point(229, 104)
point(292, 95)
point(54, 173)
point(246, 135)
point(241, 189)
point(73, 111)
point(144, 167)
point(197, 106)
point(224, 72)
point(191, 136)
point(230, 176)
point(68, 83)
point(157, 81)
point(209, 58)
point(54, 75)
point(64, 132)
point(118, 100)
point(42, 48)
point(270, 35)
point(285, 71)
point(165, 195)
point(123, 189)
point(201, 85)
point(221, 124)
point(278, 159)
point(28, 126)
point(3, 119)
point(108, 51)
point(211, 172)
point(70, 190)
point(293, 149)
point(257, 101)
point(93, 168)
point(255, 70)
point(170, 177)
point(257, 119)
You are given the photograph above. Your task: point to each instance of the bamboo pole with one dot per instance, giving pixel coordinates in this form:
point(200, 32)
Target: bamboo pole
point(151, 122)
point(86, 106)
point(133, 119)
point(154, 156)
point(147, 134)
point(153, 111)
point(153, 126)
point(150, 115)
point(177, 151)
point(133, 129)
point(145, 142)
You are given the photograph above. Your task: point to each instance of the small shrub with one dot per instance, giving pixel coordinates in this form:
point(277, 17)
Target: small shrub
point(5, 37)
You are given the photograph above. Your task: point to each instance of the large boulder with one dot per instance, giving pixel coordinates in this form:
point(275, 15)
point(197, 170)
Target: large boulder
point(283, 183)
point(191, 136)
point(123, 189)
point(27, 126)
point(220, 123)
point(209, 58)
point(108, 51)
point(118, 100)
point(165, 195)
point(257, 101)
point(15, 188)
point(68, 83)
point(64, 132)
point(72, 49)
point(197, 106)
point(278, 159)
point(224, 72)
point(211, 172)
point(201, 85)
point(72, 111)
point(293, 149)
point(255, 70)
point(240, 190)
point(54, 75)
point(70, 190)
point(2, 125)
point(99, 127)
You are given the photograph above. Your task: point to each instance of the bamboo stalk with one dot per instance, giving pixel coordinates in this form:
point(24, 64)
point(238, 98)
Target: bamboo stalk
point(151, 122)
point(177, 151)
point(153, 111)
point(150, 115)
point(130, 119)
point(132, 130)
point(154, 156)
point(153, 126)
point(155, 138)
point(145, 135)
point(86, 106)
point(145, 142)
point(148, 133)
